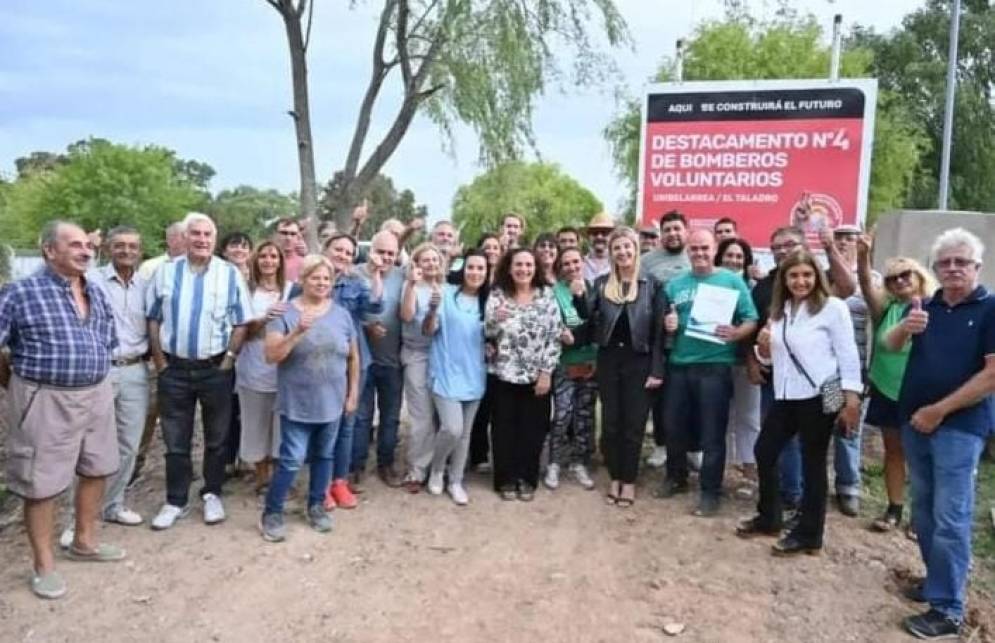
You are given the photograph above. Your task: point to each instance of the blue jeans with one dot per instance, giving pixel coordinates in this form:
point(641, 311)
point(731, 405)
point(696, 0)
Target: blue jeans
point(384, 385)
point(300, 441)
point(342, 455)
point(942, 468)
point(846, 463)
point(697, 396)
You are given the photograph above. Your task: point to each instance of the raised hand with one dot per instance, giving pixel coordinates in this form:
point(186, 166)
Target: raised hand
point(306, 322)
point(276, 310)
point(361, 212)
point(414, 273)
point(577, 287)
point(436, 297)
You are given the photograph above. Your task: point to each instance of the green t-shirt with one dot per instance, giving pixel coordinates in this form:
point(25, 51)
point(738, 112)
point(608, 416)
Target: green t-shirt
point(681, 291)
point(572, 355)
point(888, 366)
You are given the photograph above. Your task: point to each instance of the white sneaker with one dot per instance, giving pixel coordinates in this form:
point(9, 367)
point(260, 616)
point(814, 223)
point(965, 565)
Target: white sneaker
point(694, 460)
point(214, 511)
point(168, 516)
point(436, 482)
point(552, 479)
point(458, 494)
point(66, 539)
point(658, 458)
point(126, 517)
point(581, 475)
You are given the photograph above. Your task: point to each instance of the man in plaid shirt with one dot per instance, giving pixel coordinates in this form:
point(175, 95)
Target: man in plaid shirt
point(60, 331)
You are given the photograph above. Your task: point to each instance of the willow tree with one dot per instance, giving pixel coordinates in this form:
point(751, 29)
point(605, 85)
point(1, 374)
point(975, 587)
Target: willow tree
point(477, 62)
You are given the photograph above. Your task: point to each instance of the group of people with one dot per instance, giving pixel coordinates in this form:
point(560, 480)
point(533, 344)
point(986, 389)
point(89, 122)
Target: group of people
point(497, 352)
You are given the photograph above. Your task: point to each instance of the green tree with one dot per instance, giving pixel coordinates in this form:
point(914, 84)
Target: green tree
point(101, 185)
point(478, 62)
point(385, 202)
point(250, 210)
point(787, 46)
point(911, 63)
point(541, 192)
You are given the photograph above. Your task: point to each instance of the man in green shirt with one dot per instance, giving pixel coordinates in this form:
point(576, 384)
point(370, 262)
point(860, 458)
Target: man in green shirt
point(698, 384)
point(663, 264)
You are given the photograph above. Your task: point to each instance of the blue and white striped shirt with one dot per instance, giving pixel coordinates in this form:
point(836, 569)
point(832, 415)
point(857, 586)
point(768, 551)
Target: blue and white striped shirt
point(196, 311)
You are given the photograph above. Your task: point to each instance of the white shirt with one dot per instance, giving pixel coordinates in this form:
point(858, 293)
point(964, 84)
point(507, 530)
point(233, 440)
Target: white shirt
point(823, 343)
point(127, 300)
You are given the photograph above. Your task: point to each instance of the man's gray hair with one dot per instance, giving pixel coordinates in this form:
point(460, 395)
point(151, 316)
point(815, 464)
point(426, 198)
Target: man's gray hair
point(50, 231)
point(122, 229)
point(194, 217)
point(956, 238)
point(177, 227)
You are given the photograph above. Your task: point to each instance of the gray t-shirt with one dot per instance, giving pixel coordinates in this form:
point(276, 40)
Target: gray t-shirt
point(858, 315)
point(663, 265)
point(412, 336)
point(311, 381)
point(386, 351)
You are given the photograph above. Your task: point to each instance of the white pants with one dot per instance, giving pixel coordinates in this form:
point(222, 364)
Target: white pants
point(419, 402)
point(452, 442)
point(260, 437)
point(744, 417)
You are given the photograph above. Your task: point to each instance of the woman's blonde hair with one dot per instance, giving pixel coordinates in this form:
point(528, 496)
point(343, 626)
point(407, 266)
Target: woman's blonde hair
point(613, 287)
point(815, 300)
point(313, 262)
point(428, 246)
point(895, 265)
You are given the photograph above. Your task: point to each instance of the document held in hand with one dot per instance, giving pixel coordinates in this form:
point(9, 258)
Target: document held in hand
point(713, 306)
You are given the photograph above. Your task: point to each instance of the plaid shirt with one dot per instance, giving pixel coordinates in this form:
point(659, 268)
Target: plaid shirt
point(49, 342)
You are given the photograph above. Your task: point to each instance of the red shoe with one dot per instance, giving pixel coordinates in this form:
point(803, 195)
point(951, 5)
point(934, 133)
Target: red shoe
point(342, 496)
point(329, 503)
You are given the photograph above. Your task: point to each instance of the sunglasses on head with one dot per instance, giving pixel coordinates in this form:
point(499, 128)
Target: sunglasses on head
point(905, 275)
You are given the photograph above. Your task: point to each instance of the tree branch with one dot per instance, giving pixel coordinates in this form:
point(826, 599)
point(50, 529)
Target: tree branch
point(310, 20)
point(401, 43)
point(372, 91)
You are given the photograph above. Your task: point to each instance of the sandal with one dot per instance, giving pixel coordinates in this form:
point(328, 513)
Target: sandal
point(624, 503)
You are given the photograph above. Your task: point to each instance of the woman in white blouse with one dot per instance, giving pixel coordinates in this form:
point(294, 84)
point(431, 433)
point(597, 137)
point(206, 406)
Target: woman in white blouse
point(809, 338)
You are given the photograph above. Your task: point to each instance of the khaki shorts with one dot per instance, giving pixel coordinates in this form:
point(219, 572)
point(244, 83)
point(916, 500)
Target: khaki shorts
point(57, 432)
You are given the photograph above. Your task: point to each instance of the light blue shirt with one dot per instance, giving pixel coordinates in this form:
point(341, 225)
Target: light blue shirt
point(457, 369)
point(197, 310)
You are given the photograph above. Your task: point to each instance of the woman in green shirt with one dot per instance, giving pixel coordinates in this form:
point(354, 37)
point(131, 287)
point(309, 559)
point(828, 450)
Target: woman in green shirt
point(571, 439)
point(905, 280)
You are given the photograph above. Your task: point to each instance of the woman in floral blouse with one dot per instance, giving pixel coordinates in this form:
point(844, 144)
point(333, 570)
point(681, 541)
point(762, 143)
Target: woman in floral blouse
point(522, 325)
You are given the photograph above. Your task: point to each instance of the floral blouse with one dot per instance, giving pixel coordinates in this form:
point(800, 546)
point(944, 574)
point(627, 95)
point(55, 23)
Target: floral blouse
point(528, 341)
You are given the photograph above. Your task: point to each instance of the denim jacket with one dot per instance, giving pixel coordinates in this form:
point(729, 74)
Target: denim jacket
point(645, 319)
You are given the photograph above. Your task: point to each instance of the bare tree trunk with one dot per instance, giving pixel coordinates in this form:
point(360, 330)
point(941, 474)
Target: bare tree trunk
point(301, 114)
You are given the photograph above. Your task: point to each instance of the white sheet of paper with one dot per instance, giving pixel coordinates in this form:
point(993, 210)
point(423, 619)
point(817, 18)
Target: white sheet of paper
point(713, 306)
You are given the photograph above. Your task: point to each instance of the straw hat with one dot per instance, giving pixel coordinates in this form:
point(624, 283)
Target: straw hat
point(601, 221)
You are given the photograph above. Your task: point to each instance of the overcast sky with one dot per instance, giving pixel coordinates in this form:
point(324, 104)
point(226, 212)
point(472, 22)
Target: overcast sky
point(210, 79)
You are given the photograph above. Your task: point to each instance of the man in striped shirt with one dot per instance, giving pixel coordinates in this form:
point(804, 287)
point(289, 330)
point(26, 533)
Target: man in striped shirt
point(197, 307)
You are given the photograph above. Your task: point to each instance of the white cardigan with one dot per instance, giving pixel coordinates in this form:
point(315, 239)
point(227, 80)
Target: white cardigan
point(823, 343)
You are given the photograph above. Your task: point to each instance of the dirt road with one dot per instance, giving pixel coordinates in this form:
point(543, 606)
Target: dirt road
point(565, 567)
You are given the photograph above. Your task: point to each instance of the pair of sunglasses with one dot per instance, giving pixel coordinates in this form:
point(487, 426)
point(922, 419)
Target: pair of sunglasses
point(905, 275)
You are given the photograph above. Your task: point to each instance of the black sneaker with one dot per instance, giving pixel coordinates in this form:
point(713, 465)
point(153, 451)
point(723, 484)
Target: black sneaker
point(913, 592)
point(526, 492)
point(671, 488)
point(708, 506)
point(932, 626)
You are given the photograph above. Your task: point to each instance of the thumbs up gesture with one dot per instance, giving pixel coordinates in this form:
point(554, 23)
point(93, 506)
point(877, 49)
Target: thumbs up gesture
point(361, 212)
point(436, 297)
point(917, 319)
point(763, 337)
point(670, 320)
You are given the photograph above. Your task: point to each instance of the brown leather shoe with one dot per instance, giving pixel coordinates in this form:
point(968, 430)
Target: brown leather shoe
point(389, 476)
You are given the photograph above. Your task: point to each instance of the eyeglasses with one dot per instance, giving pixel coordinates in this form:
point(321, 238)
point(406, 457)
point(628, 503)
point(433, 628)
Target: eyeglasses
point(954, 262)
point(905, 275)
point(787, 245)
point(597, 233)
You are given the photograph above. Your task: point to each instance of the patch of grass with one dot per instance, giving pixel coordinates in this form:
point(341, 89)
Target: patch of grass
point(983, 547)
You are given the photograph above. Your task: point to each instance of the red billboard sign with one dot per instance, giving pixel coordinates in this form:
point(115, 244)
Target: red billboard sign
point(766, 153)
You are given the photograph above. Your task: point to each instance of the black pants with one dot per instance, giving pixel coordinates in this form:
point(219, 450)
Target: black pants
point(625, 403)
point(234, 440)
point(480, 441)
point(520, 424)
point(181, 386)
point(815, 429)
